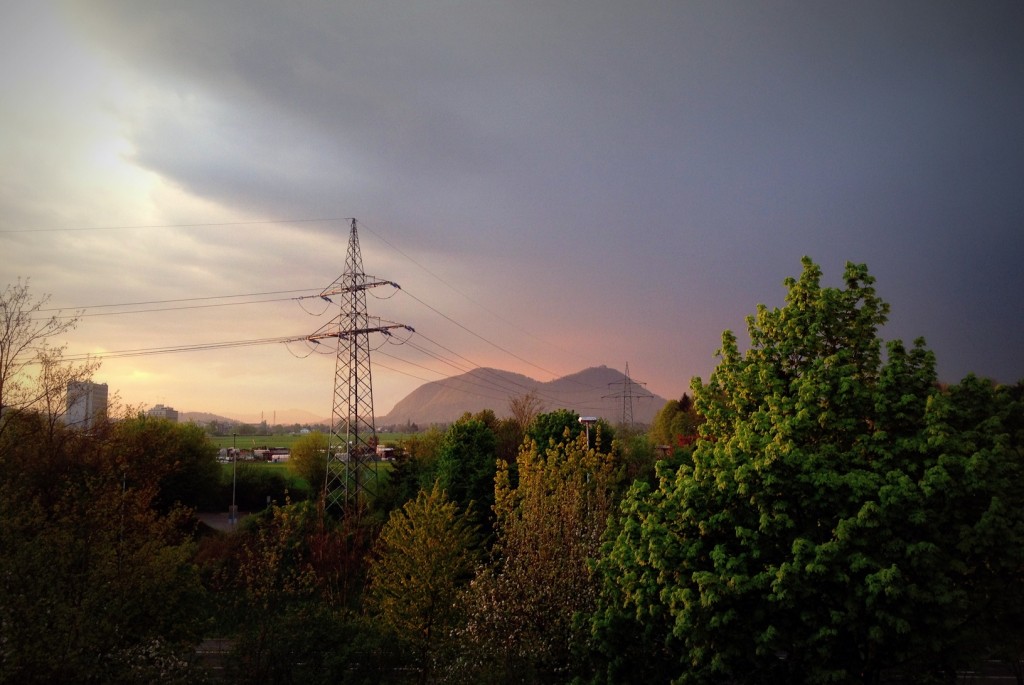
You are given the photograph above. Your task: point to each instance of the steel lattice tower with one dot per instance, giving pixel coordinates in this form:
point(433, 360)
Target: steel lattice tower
point(351, 451)
point(627, 395)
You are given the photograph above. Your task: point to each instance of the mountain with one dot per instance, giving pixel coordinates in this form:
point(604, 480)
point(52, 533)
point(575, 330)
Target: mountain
point(202, 417)
point(597, 391)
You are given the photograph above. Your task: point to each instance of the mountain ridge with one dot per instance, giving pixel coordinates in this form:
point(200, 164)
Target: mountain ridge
point(595, 391)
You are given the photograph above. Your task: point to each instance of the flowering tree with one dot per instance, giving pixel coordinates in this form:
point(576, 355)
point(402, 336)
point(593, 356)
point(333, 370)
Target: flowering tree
point(525, 607)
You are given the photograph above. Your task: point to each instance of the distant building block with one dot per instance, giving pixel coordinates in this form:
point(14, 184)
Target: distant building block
point(86, 404)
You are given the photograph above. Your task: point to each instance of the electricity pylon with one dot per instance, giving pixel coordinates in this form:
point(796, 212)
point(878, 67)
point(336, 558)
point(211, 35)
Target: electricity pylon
point(627, 397)
point(352, 447)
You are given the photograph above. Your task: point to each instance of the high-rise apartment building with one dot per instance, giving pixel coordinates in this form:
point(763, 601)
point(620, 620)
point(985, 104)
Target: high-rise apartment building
point(162, 412)
point(86, 404)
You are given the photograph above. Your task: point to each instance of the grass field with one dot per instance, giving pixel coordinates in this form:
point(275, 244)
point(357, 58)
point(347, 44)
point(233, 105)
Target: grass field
point(269, 467)
point(248, 442)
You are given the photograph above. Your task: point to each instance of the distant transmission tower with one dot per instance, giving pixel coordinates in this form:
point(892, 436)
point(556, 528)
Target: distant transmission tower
point(352, 447)
point(627, 396)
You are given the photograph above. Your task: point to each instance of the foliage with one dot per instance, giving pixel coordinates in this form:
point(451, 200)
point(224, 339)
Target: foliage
point(284, 585)
point(309, 460)
point(423, 446)
point(413, 466)
point(95, 584)
point(639, 456)
point(466, 464)
point(257, 485)
point(462, 459)
point(670, 440)
point(424, 556)
point(554, 427)
point(273, 583)
point(561, 425)
point(508, 438)
point(525, 607)
point(841, 517)
point(676, 424)
point(179, 457)
point(423, 450)
point(508, 435)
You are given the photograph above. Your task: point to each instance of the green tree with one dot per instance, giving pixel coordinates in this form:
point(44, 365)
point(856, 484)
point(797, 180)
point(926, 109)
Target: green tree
point(413, 469)
point(525, 606)
point(557, 426)
point(554, 427)
point(274, 582)
point(466, 463)
point(840, 518)
point(676, 424)
point(308, 460)
point(424, 557)
point(508, 435)
point(508, 438)
point(179, 457)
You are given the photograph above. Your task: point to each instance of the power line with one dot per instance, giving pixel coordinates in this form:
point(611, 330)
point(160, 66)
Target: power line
point(470, 299)
point(84, 313)
point(494, 344)
point(445, 381)
point(84, 310)
point(498, 383)
point(197, 347)
point(152, 226)
point(480, 337)
point(489, 379)
point(186, 299)
point(188, 307)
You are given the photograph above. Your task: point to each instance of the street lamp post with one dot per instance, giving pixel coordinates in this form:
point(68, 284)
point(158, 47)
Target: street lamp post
point(587, 421)
point(234, 469)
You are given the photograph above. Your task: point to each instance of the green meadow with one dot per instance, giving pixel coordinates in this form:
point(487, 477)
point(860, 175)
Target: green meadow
point(249, 442)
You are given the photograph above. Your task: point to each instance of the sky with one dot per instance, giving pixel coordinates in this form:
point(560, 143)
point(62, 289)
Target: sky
point(553, 184)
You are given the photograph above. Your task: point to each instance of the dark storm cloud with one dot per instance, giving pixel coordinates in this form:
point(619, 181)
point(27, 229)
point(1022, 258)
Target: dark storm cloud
point(711, 144)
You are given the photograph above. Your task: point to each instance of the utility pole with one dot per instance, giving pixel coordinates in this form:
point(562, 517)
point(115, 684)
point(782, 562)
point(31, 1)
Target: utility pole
point(352, 447)
point(233, 518)
point(627, 396)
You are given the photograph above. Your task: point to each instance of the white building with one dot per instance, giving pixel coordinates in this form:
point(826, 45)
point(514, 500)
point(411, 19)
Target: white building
point(162, 412)
point(86, 404)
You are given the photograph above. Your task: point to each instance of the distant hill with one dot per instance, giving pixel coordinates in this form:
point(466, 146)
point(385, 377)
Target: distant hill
point(282, 417)
point(202, 417)
point(597, 391)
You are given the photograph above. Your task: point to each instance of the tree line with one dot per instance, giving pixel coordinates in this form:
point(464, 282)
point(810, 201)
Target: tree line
point(819, 510)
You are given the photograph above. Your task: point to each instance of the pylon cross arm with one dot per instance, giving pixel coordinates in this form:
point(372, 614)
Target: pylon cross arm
point(357, 331)
point(357, 287)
